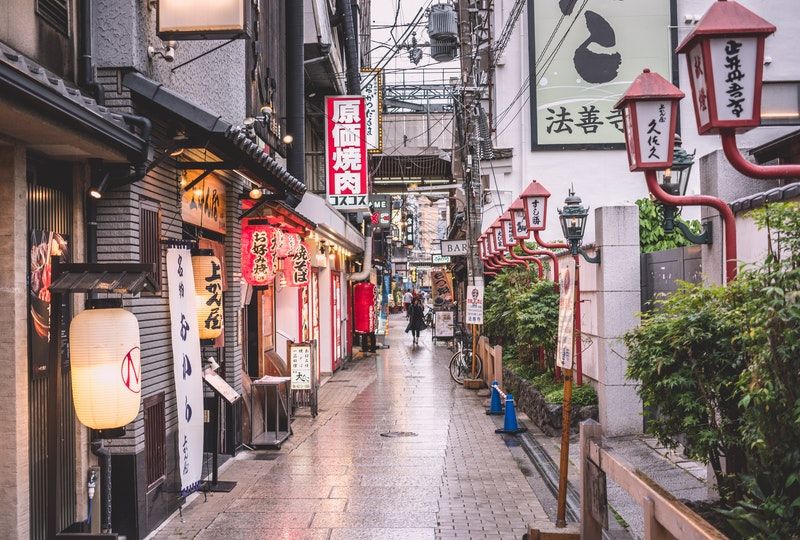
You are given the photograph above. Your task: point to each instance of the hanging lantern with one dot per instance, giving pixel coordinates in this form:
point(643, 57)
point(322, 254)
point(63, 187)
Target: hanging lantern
point(650, 110)
point(279, 243)
point(497, 231)
point(297, 268)
point(208, 290)
point(364, 307)
point(293, 242)
point(507, 227)
point(725, 57)
point(105, 359)
point(534, 198)
point(259, 261)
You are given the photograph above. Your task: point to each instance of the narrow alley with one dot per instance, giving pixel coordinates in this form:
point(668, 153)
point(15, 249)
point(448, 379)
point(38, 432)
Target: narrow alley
point(446, 474)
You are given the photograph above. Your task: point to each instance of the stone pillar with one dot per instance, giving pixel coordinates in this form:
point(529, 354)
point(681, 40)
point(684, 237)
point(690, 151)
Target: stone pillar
point(13, 344)
point(618, 305)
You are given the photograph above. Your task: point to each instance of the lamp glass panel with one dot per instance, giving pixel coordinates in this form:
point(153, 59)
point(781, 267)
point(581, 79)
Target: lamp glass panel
point(498, 239)
point(698, 73)
point(536, 210)
point(200, 15)
point(735, 62)
point(508, 233)
point(654, 125)
point(520, 223)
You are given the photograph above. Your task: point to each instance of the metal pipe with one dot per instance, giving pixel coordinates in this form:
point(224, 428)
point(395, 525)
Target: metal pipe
point(740, 163)
point(725, 212)
point(578, 341)
point(350, 47)
point(546, 253)
point(549, 245)
point(295, 91)
point(528, 260)
point(85, 39)
point(364, 274)
point(105, 473)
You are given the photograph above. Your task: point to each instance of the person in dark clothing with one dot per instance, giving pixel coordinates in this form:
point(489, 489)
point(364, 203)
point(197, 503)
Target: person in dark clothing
point(416, 323)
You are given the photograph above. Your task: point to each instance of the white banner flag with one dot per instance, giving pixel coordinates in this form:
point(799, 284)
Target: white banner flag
point(187, 367)
point(566, 327)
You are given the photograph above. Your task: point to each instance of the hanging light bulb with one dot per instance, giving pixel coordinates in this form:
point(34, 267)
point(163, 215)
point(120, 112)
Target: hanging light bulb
point(256, 193)
point(288, 139)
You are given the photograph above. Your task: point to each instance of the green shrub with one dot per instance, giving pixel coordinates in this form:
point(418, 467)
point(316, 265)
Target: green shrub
point(652, 236)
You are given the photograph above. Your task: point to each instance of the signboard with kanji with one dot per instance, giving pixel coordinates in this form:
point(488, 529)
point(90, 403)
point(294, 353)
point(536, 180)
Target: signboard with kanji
point(346, 152)
point(566, 314)
point(372, 90)
point(474, 313)
point(301, 358)
point(584, 55)
point(204, 204)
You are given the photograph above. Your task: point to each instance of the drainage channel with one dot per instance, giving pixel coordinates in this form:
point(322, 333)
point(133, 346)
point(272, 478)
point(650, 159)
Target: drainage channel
point(548, 472)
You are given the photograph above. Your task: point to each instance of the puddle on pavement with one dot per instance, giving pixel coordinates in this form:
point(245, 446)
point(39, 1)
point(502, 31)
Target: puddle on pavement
point(394, 434)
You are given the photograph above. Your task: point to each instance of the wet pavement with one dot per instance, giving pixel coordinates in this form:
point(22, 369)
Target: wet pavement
point(444, 473)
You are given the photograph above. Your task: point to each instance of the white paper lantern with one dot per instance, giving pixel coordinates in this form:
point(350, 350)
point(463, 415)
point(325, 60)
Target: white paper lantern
point(105, 358)
point(208, 289)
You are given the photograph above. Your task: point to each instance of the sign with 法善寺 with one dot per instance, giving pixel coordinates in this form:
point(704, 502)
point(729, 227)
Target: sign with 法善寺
point(301, 359)
point(474, 313)
point(204, 204)
point(187, 367)
point(454, 248)
point(566, 327)
point(579, 72)
point(372, 90)
point(346, 152)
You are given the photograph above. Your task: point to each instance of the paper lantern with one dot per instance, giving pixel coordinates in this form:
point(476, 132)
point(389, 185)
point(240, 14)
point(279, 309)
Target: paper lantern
point(208, 290)
point(259, 261)
point(105, 358)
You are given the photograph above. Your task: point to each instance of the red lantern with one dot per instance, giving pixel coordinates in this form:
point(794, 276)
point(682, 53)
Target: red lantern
point(258, 257)
point(650, 111)
point(364, 307)
point(507, 227)
point(297, 268)
point(497, 232)
point(725, 56)
point(519, 220)
point(534, 200)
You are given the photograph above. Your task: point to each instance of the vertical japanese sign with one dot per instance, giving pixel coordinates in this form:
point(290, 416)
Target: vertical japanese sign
point(566, 326)
point(297, 267)
point(346, 152)
point(654, 118)
point(576, 83)
point(187, 367)
point(301, 358)
point(735, 62)
point(474, 304)
point(372, 90)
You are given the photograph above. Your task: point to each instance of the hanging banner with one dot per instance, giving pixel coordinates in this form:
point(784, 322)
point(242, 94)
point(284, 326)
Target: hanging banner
point(373, 101)
point(297, 268)
point(474, 304)
point(259, 260)
point(187, 367)
point(566, 326)
point(346, 152)
point(600, 52)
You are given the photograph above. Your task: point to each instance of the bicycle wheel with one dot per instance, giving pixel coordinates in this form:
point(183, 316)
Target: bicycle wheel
point(461, 366)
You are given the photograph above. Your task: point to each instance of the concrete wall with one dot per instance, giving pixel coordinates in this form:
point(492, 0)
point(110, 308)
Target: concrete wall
point(602, 177)
point(124, 29)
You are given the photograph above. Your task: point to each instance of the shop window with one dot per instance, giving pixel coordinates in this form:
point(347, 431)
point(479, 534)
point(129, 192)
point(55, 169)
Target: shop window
point(150, 239)
point(155, 448)
point(55, 13)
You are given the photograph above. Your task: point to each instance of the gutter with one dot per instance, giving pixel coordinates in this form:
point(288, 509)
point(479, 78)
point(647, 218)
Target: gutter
point(363, 275)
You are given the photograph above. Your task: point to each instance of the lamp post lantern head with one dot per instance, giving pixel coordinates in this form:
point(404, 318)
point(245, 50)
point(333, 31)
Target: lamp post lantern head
point(725, 57)
point(519, 220)
point(534, 198)
point(497, 232)
point(650, 111)
point(675, 179)
point(573, 221)
point(507, 226)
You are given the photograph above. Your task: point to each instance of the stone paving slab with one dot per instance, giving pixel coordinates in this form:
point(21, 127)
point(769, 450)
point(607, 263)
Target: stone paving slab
point(338, 478)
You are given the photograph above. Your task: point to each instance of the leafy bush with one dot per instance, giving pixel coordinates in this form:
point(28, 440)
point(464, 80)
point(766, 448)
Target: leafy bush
point(722, 367)
point(651, 231)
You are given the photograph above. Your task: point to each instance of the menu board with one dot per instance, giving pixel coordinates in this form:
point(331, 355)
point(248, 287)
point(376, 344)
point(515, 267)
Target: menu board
point(301, 358)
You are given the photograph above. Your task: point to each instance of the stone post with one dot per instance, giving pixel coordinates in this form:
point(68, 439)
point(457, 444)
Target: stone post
point(618, 306)
point(13, 343)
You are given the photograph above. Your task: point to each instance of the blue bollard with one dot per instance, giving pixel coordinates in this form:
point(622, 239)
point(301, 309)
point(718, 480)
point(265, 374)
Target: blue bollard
point(510, 420)
point(495, 405)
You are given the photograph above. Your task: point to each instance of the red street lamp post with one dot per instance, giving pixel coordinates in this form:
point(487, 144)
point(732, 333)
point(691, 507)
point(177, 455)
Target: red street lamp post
point(510, 242)
point(650, 111)
point(725, 57)
point(521, 233)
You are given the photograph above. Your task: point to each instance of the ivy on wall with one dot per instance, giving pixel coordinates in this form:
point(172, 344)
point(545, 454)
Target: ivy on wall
point(651, 231)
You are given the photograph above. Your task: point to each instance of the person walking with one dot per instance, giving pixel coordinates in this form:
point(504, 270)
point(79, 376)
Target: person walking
point(416, 320)
point(407, 299)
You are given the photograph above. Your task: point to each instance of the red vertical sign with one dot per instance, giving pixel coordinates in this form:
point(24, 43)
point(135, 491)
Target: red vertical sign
point(346, 152)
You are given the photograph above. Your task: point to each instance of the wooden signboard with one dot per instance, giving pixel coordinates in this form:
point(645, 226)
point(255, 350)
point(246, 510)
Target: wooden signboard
point(204, 204)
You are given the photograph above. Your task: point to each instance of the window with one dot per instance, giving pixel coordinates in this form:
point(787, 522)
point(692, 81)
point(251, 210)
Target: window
point(780, 103)
point(155, 448)
point(55, 13)
point(150, 239)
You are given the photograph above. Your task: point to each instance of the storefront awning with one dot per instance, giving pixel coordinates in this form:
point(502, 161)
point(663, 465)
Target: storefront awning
point(204, 129)
point(46, 113)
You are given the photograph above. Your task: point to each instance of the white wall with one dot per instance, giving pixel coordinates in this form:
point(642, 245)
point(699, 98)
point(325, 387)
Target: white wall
point(325, 328)
point(602, 177)
point(286, 310)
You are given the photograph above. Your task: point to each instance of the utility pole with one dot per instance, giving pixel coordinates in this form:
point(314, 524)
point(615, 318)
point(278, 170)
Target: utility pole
point(466, 161)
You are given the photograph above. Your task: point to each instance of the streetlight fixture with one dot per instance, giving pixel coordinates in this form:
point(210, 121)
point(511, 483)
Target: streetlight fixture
point(573, 225)
point(510, 241)
point(534, 198)
point(650, 109)
point(725, 57)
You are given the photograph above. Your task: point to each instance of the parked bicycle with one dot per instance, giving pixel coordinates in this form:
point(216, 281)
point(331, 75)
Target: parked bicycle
point(461, 362)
